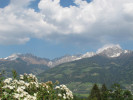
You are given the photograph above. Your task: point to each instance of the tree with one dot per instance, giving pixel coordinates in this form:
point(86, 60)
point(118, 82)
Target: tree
point(104, 92)
point(117, 93)
point(95, 93)
point(104, 88)
point(14, 73)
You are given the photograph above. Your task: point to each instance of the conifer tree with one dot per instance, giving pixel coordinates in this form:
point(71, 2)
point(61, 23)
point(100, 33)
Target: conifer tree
point(95, 93)
point(104, 92)
point(104, 88)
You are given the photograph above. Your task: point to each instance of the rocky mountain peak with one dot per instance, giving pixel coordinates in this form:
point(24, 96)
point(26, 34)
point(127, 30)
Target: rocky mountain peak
point(109, 47)
point(110, 50)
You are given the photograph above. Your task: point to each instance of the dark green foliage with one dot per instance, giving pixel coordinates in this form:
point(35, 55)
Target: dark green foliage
point(14, 74)
point(104, 88)
point(95, 93)
point(117, 93)
point(104, 92)
point(79, 98)
point(1, 82)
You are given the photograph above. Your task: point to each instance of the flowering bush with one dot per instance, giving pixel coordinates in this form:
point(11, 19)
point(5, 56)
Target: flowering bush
point(64, 92)
point(27, 87)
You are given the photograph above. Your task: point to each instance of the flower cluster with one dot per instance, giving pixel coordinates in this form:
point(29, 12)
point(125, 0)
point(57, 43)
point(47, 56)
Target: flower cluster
point(65, 92)
point(27, 87)
point(17, 89)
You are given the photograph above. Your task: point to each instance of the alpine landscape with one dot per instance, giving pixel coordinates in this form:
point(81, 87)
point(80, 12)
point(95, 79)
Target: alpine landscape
point(110, 64)
point(66, 49)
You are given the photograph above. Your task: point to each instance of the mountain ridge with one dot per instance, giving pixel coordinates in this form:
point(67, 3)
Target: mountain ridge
point(110, 51)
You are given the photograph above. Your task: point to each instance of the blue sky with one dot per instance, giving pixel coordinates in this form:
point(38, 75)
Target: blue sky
point(53, 28)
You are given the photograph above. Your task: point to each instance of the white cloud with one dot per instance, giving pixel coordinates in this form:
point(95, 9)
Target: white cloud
point(100, 21)
point(20, 3)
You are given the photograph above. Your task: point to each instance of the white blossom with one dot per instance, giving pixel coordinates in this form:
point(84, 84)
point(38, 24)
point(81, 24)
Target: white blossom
point(8, 80)
point(19, 92)
point(59, 95)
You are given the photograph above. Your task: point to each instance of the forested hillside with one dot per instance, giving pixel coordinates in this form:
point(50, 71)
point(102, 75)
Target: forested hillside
point(83, 73)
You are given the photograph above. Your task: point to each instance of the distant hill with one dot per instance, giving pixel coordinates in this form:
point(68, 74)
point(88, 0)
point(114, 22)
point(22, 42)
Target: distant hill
point(110, 65)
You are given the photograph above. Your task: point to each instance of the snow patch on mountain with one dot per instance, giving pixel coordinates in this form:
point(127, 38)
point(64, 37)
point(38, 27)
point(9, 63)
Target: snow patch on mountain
point(116, 55)
point(127, 51)
point(106, 47)
point(12, 57)
point(111, 50)
point(88, 54)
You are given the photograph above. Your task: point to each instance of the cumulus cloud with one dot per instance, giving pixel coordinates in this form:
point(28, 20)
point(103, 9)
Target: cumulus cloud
point(97, 22)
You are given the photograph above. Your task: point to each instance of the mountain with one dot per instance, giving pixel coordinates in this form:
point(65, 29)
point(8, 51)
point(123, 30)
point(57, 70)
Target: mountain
point(29, 63)
point(29, 58)
point(69, 58)
point(23, 63)
point(111, 51)
point(108, 51)
point(109, 65)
